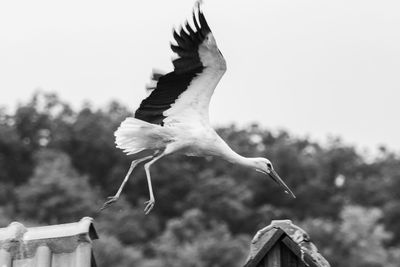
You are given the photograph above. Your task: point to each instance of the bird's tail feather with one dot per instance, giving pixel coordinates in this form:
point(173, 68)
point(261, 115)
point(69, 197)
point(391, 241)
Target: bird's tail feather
point(134, 136)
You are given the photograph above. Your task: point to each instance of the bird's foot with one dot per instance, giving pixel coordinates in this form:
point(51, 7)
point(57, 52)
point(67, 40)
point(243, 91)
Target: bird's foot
point(109, 202)
point(149, 206)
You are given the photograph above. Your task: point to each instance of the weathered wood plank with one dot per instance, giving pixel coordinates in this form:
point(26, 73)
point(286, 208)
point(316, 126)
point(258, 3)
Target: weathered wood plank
point(276, 236)
point(297, 251)
point(274, 256)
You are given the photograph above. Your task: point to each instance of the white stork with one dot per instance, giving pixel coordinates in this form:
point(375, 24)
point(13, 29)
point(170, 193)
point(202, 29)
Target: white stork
point(174, 117)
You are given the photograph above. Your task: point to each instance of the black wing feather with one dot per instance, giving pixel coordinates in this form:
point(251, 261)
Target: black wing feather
point(186, 67)
point(196, 24)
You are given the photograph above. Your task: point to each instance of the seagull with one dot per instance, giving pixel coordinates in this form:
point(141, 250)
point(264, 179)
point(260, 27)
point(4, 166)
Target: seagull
point(175, 118)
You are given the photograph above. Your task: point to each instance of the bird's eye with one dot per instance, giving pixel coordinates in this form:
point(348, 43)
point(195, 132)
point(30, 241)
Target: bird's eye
point(269, 165)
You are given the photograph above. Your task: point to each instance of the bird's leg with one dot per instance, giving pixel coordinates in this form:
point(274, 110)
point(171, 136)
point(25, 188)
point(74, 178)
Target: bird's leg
point(112, 199)
point(150, 203)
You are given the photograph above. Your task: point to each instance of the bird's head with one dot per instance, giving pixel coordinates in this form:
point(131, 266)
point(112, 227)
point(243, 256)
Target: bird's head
point(264, 165)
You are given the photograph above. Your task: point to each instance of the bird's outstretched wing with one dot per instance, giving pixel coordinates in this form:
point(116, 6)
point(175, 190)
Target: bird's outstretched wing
point(183, 95)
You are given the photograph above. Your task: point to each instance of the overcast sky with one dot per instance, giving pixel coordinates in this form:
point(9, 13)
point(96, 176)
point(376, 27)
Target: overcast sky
point(313, 67)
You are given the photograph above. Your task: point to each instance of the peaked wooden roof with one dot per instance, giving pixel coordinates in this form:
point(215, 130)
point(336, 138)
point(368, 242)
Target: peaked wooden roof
point(282, 234)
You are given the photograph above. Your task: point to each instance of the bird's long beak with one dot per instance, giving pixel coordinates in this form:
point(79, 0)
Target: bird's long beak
point(274, 175)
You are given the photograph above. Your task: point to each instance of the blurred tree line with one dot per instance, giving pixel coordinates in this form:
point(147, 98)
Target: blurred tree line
point(59, 164)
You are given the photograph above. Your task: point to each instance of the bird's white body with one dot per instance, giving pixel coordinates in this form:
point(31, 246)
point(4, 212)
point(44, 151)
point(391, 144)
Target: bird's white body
point(191, 139)
point(174, 117)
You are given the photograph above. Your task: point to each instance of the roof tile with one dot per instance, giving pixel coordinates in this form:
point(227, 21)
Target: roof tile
point(55, 245)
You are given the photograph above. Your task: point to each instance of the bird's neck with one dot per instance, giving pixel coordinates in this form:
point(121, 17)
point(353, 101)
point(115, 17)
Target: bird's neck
point(246, 162)
point(235, 158)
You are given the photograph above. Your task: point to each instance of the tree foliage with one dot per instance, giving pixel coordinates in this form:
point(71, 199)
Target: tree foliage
point(56, 193)
point(359, 238)
point(58, 165)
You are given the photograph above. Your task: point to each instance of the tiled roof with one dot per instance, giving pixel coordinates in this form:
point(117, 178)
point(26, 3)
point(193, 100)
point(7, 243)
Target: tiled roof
point(62, 245)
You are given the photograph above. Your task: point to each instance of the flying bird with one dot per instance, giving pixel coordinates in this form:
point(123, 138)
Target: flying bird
point(174, 117)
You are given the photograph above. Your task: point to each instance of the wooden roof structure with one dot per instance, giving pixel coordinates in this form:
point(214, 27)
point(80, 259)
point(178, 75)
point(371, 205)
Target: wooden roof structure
point(62, 245)
point(283, 244)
